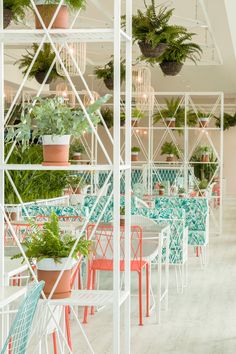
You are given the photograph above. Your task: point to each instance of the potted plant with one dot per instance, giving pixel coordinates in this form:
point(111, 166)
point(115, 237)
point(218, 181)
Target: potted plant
point(54, 121)
point(122, 216)
point(203, 184)
point(170, 149)
point(14, 10)
point(204, 152)
point(47, 8)
point(177, 52)
point(161, 189)
point(229, 121)
point(137, 114)
point(106, 73)
point(107, 114)
point(41, 65)
point(203, 119)
point(181, 192)
point(50, 248)
point(75, 183)
point(171, 113)
point(134, 153)
point(76, 150)
point(122, 118)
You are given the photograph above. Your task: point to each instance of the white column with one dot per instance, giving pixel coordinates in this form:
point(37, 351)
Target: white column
point(1, 148)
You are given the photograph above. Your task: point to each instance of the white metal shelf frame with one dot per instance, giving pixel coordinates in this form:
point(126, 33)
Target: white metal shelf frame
point(115, 35)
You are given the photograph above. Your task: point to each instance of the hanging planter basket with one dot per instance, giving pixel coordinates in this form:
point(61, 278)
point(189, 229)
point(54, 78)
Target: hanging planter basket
point(109, 83)
point(8, 15)
point(39, 76)
point(149, 52)
point(171, 68)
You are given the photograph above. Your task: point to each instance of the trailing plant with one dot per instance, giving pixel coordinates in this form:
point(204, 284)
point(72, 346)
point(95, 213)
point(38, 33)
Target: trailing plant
point(73, 4)
point(135, 149)
point(107, 71)
point(32, 185)
point(42, 63)
point(181, 49)
point(49, 241)
point(169, 148)
point(52, 116)
point(18, 8)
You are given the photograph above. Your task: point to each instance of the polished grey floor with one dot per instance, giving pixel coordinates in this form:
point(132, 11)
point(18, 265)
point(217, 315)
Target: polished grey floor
point(200, 321)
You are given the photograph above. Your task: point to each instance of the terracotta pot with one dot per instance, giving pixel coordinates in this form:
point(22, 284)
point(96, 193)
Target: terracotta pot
point(12, 215)
point(201, 193)
point(134, 156)
point(122, 221)
point(39, 77)
point(77, 156)
point(109, 83)
point(49, 271)
point(77, 190)
point(170, 158)
point(7, 17)
point(56, 150)
point(134, 122)
point(47, 11)
point(203, 122)
point(170, 68)
point(161, 191)
point(170, 122)
point(205, 158)
point(149, 52)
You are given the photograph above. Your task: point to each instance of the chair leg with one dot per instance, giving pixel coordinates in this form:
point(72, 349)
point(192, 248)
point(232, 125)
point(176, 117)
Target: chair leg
point(85, 320)
point(93, 287)
point(140, 276)
point(54, 337)
point(147, 291)
point(67, 318)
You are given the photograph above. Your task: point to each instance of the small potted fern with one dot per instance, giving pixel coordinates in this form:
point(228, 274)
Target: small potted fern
point(134, 153)
point(55, 122)
point(50, 248)
point(170, 149)
point(76, 150)
point(137, 115)
point(203, 119)
point(106, 73)
point(171, 114)
point(41, 65)
point(47, 8)
point(14, 10)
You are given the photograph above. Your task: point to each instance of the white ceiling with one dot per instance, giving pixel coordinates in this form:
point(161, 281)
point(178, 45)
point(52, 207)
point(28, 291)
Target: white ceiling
point(207, 18)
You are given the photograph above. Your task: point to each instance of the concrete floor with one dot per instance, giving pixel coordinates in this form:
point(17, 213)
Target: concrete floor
point(200, 321)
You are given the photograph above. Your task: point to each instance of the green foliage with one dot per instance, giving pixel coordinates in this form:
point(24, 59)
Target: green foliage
point(52, 116)
point(169, 148)
point(107, 71)
point(203, 149)
point(18, 8)
point(73, 4)
point(228, 121)
point(201, 114)
point(32, 185)
point(75, 181)
point(161, 186)
point(181, 190)
point(122, 210)
point(107, 114)
point(135, 149)
point(42, 63)
point(204, 170)
point(203, 184)
point(181, 49)
point(50, 242)
point(137, 113)
point(77, 147)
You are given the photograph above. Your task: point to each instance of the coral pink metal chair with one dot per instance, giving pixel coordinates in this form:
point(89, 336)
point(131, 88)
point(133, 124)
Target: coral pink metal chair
point(102, 258)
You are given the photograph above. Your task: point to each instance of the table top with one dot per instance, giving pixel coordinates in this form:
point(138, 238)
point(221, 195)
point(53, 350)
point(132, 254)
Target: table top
point(9, 294)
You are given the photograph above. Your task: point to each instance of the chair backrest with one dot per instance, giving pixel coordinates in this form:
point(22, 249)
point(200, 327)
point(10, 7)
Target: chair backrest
point(103, 242)
point(19, 332)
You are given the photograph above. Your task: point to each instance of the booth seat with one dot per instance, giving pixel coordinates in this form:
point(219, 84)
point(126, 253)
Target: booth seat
point(38, 210)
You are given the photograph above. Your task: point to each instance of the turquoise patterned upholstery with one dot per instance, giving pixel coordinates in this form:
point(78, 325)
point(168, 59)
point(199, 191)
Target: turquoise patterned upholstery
point(36, 210)
point(196, 216)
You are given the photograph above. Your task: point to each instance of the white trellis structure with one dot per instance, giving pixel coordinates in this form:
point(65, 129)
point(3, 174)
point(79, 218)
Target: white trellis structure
point(115, 166)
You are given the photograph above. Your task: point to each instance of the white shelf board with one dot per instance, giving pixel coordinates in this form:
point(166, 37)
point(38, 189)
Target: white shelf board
point(36, 167)
point(59, 35)
point(90, 298)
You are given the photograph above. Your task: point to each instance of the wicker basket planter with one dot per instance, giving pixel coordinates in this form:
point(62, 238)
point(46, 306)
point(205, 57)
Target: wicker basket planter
point(39, 76)
point(109, 83)
point(171, 68)
point(149, 52)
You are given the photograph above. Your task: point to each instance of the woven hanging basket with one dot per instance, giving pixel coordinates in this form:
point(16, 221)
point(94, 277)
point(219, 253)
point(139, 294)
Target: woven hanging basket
point(39, 76)
point(149, 52)
point(171, 68)
point(8, 14)
point(109, 83)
